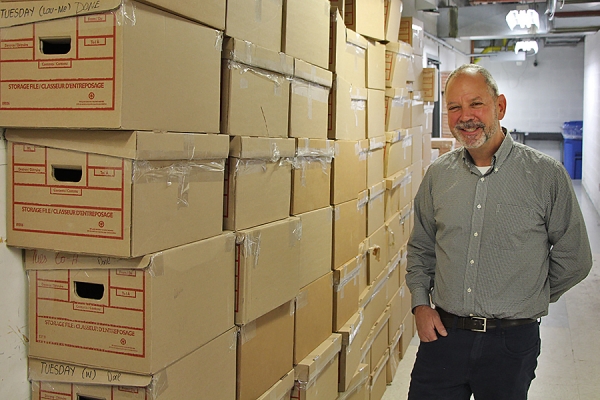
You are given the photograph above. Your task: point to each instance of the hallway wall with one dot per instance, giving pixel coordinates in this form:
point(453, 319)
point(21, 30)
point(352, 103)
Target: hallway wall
point(591, 120)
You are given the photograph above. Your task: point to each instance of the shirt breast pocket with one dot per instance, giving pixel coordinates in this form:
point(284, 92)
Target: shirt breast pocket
point(513, 226)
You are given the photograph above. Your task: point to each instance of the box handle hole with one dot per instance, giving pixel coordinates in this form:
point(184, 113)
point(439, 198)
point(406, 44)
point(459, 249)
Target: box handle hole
point(67, 174)
point(82, 397)
point(55, 45)
point(87, 290)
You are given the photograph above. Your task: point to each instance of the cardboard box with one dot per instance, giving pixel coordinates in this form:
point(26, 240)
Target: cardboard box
point(358, 388)
point(429, 108)
point(348, 52)
point(256, 22)
point(258, 182)
point(306, 31)
point(350, 355)
point(426, 149)
point(345, 292)
point(398, 151)
point(309, 101)
point(346, 180)
point(114, 193)
point(415, 73)
point(403, 264)
point(378, 332)
point(375, 163)
point(443, 144)
point(379, 378)
point(374, 301)
point(380, 343)
point(376, 65)
point(207, 373)
point(282, 390)
point(314, 311)
point(398, 193)
point(431, 86)
point(316, 375)
point(412, 31)
point(266, 268)
point(395, 235)
point(366, 17)
point(346, 235)
point(396, 317)
point(347, 111)
point(375, 113)
point(316, 245)
point(398, 59)
point(311, 175)
point(256, 90)
point(397, 109)
point(378, 253)
point(393, 12)
point(417, 175)
point(265, 351)
point(91, 71)
point(406, 185)
point(121, 318)
point(417, 141)
point(376, 208)
point(407, 333)
point(406, 301)
point(361, 176)
point(394, 360)
point(363, 202)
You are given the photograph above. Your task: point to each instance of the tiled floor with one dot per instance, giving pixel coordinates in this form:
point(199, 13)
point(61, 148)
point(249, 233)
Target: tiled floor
point(569, 366)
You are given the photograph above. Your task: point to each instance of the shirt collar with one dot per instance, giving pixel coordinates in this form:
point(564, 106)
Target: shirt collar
point(501, 154)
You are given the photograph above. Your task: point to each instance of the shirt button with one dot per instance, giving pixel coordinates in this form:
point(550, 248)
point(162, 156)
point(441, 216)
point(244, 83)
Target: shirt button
point(496, 169)
point(476, 234)
point(478, 205)
point(469, 290)
point(472, 262)
point(482, 179)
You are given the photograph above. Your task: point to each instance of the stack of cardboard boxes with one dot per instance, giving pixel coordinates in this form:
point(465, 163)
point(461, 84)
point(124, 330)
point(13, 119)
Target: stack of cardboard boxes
point(215, 199)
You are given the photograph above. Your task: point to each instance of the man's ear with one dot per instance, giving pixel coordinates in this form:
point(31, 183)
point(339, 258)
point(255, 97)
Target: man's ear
point(501, 104)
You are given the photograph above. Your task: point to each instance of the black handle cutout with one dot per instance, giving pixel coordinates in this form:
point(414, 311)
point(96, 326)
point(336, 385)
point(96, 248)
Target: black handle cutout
point(55, 45)
point(82, 397)
point(67, 173)
point(87, 290)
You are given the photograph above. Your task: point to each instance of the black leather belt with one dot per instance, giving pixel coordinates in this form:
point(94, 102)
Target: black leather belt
point(479, 324)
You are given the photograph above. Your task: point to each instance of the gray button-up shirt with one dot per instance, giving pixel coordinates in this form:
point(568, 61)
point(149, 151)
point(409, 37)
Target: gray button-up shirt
point(502, 244)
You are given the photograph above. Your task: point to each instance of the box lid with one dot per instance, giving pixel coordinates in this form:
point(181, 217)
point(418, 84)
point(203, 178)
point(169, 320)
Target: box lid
point(250, 54)
point(261, 147)
point(402, 48)
point(312, 73)
point(25, 12)
point(312, 365)
point(137, 145)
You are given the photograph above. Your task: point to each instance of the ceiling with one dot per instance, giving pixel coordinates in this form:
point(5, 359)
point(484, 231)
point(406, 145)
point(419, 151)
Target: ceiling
point(562, 23)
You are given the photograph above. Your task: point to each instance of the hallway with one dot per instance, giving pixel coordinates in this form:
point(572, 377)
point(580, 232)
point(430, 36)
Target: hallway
point(569, 365)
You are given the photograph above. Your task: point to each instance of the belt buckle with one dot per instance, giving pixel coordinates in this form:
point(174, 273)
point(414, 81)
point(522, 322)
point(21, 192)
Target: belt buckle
point(484, 320)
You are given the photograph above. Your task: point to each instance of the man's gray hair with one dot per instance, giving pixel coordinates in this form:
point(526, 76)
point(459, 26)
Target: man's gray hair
point(478, 69)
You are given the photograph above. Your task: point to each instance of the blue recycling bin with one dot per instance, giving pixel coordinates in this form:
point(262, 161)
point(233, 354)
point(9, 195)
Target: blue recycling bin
point(572, 132)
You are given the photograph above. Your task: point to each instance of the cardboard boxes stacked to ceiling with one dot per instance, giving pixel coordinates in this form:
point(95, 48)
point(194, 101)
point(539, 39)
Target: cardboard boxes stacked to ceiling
point(224, 189)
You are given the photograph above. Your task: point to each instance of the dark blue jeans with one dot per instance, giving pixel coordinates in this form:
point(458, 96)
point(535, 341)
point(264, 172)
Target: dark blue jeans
point(495, 365)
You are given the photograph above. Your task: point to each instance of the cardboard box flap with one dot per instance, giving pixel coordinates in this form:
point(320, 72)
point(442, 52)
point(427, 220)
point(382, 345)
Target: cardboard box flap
point(250, 54)
point(377, 143)
point(280, 389)
point(356, 39)
point(377, 327)
point(395, 180)
point(315, 148)
point(312, 365)
point(363, 198)
point(176, 257)
point(351, 328)
point(345, 274)
point(380, 367)
point(261, 147)
point(54, 371)
point(396, 136)
point(358, 380)
point(403, 49)
point(398, 93)
point(136, 145)
point(26, 12)
point(376, 190)
point(312, 73)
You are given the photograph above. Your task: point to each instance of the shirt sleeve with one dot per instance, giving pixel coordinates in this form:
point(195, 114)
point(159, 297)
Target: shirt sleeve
point(420, 270)
point(570, 255)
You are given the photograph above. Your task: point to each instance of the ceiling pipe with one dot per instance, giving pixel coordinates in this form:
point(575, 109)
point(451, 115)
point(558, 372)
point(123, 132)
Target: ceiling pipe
point(449, 46)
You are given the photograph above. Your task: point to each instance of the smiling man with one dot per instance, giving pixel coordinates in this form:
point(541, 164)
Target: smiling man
point(498, 235)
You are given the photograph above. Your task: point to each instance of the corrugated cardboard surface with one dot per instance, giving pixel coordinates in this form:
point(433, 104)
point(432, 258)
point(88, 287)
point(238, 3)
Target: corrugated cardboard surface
point(209, 373)
point(265, 352)
point(398, 59)
point(315, 245)
point(282, 390)
point(306, 31)
point(358, 388)
point(256, 22)
point(397, 108)
point(398, 151)
point(393, 11)
point(350, 355)
point(344, 170)
point(346, 235)
point(378, 378)
point(376, 208)
point(123, 319)
point(394, 360)
point(378, 251)
point(108, 205)
point(348, 52)
point(103, 79)
point(348, 111)
point(396, 316)
point(375, 113)
point(376, 65)
point(316, 375)
point(380, 343)
point(412, 32)
point(366, 17)
point(314, 310)
point(266, 268)
point(345, 292)
point(311, 175)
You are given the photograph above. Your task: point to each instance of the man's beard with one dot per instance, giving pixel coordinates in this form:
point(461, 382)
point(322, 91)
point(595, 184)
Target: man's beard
point(469, 143)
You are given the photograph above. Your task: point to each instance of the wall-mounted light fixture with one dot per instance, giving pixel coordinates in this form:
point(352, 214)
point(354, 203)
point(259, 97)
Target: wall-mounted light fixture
point(526, 45)
point(523, 18)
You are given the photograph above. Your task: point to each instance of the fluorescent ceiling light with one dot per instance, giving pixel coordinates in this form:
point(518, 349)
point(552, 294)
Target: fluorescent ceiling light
point(523, 18)
point(526, 45)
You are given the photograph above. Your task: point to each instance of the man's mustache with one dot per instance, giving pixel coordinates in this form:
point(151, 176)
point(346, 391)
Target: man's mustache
point(469, 125)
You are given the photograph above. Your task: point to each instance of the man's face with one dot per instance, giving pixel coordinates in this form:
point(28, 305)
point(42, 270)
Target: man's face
point(473, 114)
